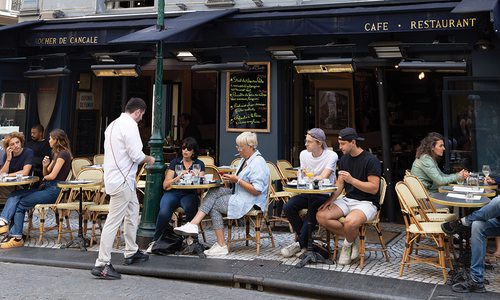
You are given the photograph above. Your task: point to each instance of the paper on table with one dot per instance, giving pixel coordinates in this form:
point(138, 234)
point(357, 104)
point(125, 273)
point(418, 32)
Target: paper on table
point(467, 189)
point(463, 196)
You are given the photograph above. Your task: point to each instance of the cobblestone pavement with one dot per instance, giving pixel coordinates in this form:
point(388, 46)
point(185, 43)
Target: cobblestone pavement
point(375, 263)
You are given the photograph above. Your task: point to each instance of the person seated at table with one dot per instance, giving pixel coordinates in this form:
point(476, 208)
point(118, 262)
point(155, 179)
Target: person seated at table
point(426, 168)
point(322, 162)
point(250, 186)
point(54, 170)
point(17, 159)
point(40, 147)
point(359, 174)
point(172, 199)
point(481, 224)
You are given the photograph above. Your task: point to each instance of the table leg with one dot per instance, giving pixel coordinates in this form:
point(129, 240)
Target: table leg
point(310, 256)
point(80, 241)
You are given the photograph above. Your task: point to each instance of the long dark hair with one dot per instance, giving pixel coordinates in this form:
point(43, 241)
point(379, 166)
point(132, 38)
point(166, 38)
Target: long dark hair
point(62, 142)
point(190, 142)
point(427, 144)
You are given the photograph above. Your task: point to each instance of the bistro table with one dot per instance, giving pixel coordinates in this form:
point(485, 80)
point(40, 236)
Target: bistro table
point(444, 199)
point(196, 186)
point(93, 167)
point(485, 192)
point(310, 256)
point(12, 181)
point(481, 185)
point(80, 241)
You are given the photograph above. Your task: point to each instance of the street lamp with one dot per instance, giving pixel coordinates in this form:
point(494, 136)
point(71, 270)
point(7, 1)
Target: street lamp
point(154, 176)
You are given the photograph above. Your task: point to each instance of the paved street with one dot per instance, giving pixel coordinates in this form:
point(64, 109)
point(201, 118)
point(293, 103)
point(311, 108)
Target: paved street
point(63, 283)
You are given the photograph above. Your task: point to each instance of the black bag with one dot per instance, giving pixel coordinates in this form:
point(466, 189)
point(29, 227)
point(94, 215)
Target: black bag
point(168, 243)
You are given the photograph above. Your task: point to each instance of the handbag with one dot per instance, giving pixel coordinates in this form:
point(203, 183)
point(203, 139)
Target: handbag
point(168, 243)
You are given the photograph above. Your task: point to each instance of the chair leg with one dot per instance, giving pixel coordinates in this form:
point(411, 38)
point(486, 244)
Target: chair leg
point(203, 232)
point(257, 233)
point(382, 242)
point(94, 221)
point(405, 253)
point(441, 254)
point(247, 230)
point(270, 232)
point(30, 223)
point(60, 225)
point(42, 224)
point(335, 247)
point(229, 237)
point(362, 234)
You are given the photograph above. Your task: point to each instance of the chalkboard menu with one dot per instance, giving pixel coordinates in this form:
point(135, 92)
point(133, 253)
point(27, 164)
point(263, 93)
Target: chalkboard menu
point(248, 99)
point(86, 132)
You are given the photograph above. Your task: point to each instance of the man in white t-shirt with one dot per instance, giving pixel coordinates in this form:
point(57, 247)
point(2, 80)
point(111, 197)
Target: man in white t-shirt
point(322, 162)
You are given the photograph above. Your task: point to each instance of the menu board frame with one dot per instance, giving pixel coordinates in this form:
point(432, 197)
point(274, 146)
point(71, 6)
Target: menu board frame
point(230, 127)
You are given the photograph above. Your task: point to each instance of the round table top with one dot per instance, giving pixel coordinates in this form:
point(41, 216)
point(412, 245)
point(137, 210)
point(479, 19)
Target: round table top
point(481, 185)
point(71, 184)
point(294, 189)
point(486, 192)
point(94, 167)
point(226, 169)
point(12, 181)
point(195, 186)
point(442, 198)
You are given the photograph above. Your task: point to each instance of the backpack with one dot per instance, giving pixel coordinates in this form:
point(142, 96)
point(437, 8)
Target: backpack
point(168, 243)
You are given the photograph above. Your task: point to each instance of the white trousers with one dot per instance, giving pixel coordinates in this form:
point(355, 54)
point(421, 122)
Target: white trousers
point(123, 206)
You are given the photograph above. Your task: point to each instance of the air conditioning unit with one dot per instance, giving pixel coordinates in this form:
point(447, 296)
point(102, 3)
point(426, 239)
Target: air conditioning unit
point(219, 3)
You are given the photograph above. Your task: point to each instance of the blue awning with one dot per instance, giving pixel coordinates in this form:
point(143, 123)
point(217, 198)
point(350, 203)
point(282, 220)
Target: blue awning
point(470, 6)
point(173, 27)
point(19, 25)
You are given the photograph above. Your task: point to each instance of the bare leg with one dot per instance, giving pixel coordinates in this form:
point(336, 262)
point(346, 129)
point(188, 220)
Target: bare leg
point(198, 218)
point(352, 222)
point(328, 218)
point(219, 234)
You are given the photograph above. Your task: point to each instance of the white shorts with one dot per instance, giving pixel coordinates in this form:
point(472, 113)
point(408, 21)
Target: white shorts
point(347, 205)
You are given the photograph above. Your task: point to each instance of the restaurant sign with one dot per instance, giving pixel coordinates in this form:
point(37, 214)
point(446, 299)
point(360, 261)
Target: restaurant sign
point(421, 24)
point(68, 38)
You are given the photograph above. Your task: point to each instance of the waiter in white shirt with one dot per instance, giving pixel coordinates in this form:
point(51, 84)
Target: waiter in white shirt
point(122, 155)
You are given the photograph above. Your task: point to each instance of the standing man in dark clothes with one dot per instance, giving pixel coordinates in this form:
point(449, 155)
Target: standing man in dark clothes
point(40, 147)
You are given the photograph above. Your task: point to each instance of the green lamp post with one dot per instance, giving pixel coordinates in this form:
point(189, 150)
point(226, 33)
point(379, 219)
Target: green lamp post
point(154, 177)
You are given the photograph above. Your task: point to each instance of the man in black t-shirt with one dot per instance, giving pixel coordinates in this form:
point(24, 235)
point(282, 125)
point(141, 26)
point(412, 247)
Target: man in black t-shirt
point(359, 174)
point(40, 147)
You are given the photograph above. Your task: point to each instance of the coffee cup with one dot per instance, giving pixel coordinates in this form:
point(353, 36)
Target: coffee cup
point(327, 181)
point(209, 178)
point(188, 178)
point(19, 176)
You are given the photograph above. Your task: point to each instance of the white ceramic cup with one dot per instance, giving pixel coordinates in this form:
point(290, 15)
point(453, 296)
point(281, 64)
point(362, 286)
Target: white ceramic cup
point(209, 178)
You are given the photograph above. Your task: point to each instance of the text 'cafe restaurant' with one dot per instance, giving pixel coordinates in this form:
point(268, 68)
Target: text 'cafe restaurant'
point(395, 70)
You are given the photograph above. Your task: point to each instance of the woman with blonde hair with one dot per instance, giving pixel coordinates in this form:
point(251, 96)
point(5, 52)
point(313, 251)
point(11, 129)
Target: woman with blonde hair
point(250, 185)
point(54, 170)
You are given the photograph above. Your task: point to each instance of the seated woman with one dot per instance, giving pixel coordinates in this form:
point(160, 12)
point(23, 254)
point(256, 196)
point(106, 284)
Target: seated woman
point(251, 183)
point(19, 201)
point(17, 159)
point(425, 166)
point(172, 199)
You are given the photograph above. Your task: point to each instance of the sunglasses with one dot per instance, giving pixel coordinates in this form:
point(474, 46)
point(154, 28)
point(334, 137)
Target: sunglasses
point(187, 148)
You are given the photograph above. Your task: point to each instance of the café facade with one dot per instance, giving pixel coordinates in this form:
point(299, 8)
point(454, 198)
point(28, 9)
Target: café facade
point(395, 70)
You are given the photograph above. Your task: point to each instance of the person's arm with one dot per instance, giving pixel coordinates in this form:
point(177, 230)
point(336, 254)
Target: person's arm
point(325, 174)
point(430, 168)
point(340, 187)
point(53, 169)
point(169, 179)
point(26, 170)
point(370, 186)
point(6, 163)
point(256, 182)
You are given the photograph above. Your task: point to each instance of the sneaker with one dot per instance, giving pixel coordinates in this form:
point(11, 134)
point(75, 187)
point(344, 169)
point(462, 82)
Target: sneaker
point(454, 227)
point(302, 251)
point(150, 248)
point(12, 243)
point(345, 255)
point(187, 229)
point(106, 272)
point(139, 256)
point(4, 229)
point(290, 250)
point(355, 249)
point(216, 249)
point(469, 286)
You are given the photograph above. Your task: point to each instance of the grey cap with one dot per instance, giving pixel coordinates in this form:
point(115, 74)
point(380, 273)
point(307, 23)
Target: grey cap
point(349, 134)
point(318, 134)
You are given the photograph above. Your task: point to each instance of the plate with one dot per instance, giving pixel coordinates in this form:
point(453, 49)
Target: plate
point(292, 183)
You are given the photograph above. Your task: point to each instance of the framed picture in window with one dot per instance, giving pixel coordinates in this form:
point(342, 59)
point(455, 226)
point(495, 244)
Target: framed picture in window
point(332, 109)
point(85, 82)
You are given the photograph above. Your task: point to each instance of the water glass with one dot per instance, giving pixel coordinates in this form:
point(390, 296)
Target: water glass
point(469, 197)
point(320, 184)
point(19, 176)
point(196, 169)
point(486, 170)
point(179, 169)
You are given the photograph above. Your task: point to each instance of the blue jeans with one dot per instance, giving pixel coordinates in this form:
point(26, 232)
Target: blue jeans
point(485, 223)
point(292, 208)
point(170, 201)
point(22, 200)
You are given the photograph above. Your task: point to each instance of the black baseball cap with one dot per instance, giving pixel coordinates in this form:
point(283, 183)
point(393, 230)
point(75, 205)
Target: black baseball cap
point(349, 134)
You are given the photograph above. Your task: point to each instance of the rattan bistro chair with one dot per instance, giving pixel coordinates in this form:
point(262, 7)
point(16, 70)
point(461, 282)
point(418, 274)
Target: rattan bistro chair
point(277, 196)
point(78, 163)
point(417, 230)
point(98, 159)
point(375, 223)
point(207, 160)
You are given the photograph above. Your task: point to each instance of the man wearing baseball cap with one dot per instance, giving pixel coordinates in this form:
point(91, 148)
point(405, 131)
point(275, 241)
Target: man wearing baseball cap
point(321, 162)
point(359, 174)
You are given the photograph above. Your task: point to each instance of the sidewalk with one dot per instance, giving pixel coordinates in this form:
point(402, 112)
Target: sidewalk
point(257, 274)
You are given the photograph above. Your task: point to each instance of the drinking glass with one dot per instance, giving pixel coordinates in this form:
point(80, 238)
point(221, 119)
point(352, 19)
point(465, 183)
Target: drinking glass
point(486, 170)
point(179, 169)
point(460, 180)
point(196, 173)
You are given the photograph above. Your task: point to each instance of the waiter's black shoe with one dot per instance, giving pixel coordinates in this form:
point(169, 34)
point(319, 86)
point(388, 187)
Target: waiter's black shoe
point(106, 272)
point(455, 227)
point(139, 256)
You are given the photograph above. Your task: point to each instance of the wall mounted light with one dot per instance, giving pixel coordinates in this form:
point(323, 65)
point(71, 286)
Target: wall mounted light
point(282, 52)
point(222, 67)
point(387, 49)
point(185, 56)
point(483, 45)
point(421, 76)
point(39, 72)
point(326, 65)
point(125, 70)
point(437, 66)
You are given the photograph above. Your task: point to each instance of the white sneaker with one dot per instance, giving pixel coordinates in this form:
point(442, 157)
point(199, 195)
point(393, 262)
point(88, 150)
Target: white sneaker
point(187, 229)
point(345, 255)
point(290, 250)
point(150, 248)
point(216, 249)
point(355, 249)
point(302, 251)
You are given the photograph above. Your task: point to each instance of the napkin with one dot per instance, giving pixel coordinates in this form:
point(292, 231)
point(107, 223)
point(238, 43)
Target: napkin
point(463, 196)
point(466, 189)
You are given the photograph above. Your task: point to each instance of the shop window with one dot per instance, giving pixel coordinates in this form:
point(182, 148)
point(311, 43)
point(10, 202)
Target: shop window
point(117, 4)
point(12, 112)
